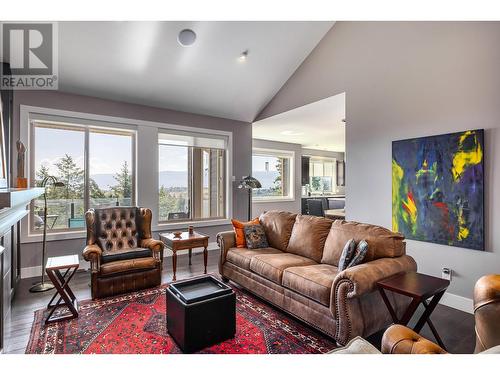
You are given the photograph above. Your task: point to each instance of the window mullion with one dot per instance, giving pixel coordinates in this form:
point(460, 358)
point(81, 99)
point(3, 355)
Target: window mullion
point(86, 172)
point(191, 183)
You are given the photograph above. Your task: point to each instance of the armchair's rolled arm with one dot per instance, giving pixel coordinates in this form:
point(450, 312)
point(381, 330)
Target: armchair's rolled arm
point(156, 247)
point(145, 223)
point(363, 278)
point(225, 240)
point(399, 339)
point(92, 253)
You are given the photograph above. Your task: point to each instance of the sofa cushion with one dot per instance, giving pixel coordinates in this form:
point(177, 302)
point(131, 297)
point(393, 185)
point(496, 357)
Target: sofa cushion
point(382, 243)
point(126, 254)
point(314, 282)
point(128, 265)
point(308, 236)
point(271, 266)
point(278, 227)
point(241, 257)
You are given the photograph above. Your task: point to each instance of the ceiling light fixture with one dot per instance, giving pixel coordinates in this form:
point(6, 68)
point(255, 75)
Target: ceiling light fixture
point(243, 56)
point(186, 37)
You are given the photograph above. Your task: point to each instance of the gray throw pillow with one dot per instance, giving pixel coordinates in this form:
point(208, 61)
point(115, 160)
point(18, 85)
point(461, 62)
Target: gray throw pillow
point(359, 254)
point(347, 254)
point(255, 236)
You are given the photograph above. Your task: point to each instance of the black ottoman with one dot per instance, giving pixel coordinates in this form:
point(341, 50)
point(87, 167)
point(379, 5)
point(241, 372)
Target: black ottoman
point(200, 312)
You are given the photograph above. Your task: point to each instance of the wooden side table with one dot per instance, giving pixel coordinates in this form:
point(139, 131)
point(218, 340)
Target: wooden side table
point(70, 264)
point(420, 288)
point(185, 241)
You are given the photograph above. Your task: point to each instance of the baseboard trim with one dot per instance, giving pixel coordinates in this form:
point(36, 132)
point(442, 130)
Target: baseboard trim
point(458, 302)
point(36, 271)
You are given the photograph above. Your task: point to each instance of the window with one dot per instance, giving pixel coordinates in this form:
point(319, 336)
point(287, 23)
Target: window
point(192, 177)
point(273, 170)
point(95, 164)
point(323, 175)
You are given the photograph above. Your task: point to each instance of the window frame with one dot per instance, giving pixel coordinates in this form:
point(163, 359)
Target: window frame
point(191, 189)
point(86, 129)
point(290, 155)
point(323, 160)
point(146, 167)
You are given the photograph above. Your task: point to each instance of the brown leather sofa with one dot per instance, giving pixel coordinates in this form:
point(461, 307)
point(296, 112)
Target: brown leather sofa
point(298, 272)
point(402, 340)
point(122, 254)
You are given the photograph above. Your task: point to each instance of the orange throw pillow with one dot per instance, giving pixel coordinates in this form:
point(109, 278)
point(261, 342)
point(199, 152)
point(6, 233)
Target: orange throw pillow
point(238, 230)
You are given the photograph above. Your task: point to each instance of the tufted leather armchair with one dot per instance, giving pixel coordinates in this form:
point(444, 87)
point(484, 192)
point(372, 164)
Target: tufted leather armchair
point(402, 340)
point(122, 254)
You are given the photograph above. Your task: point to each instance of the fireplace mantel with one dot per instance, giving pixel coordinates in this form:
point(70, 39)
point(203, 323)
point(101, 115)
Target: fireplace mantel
point(12, 197)
point(13, 204)
point(13, 207)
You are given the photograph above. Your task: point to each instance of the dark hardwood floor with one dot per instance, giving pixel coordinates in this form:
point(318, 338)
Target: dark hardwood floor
point(456, 327)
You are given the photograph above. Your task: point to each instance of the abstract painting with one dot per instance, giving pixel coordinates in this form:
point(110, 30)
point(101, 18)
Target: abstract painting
point(438, 189)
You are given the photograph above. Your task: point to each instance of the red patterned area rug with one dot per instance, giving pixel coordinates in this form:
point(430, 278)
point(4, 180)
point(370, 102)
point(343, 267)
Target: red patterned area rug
point(135, 323)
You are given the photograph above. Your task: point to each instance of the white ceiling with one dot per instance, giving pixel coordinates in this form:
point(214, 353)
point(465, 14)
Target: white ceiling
point(317, 125)
point(142, 62)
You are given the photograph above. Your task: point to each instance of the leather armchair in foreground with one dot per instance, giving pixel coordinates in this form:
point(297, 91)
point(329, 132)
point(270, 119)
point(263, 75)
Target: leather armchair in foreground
point(122, 254)
point(398, 339)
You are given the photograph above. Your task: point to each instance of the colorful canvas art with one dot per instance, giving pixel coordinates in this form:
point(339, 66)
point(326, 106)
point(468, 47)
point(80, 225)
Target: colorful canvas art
point(438, 189)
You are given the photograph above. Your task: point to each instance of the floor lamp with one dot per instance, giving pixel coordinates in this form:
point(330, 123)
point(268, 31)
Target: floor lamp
point(43, 286)
point(249, 183)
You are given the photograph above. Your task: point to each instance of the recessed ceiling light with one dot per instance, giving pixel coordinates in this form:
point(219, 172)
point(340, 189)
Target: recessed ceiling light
point(186, 37)
point(243, 56)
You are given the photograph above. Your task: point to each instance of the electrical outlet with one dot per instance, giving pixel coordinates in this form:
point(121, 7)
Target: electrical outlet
point(446, 273)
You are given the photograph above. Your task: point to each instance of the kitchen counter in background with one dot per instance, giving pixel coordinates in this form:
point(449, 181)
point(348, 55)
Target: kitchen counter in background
point(323, 196)
point(330, 202)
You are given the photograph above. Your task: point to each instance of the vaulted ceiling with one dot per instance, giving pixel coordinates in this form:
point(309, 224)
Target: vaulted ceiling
point(142, 62)
point(319, 125)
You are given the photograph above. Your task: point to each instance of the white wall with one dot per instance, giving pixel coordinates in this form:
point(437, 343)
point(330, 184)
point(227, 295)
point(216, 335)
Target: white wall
point(289, 205)
point(404, 80)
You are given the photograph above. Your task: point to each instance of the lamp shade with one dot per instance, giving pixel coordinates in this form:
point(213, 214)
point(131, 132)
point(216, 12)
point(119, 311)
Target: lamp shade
point(249, 182)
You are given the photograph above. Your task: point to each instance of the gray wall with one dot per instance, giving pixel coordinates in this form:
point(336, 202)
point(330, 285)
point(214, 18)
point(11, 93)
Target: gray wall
point(242, 149)
point(404, 80)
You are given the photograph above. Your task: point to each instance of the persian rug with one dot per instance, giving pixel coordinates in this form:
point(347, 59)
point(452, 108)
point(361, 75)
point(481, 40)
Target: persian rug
point(135, 323)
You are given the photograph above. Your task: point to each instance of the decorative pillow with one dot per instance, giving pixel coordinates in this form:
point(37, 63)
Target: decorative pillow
point(359, 254)
point(347, 254)
point(255, 236)
point(238, 230)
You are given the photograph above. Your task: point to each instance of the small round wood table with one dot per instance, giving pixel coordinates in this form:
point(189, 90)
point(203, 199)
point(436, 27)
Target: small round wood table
point(185, 241)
